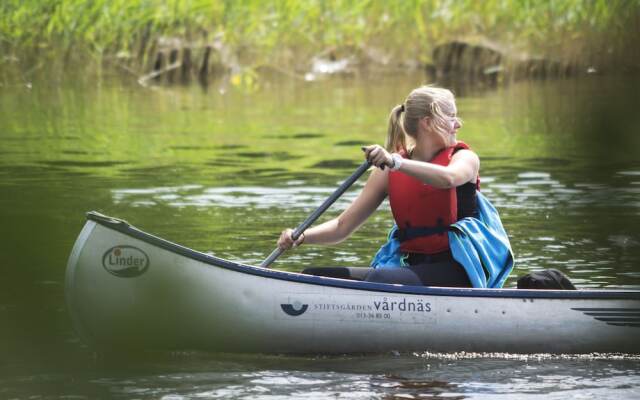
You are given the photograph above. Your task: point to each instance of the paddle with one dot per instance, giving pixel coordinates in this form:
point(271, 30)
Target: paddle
point(318, 212)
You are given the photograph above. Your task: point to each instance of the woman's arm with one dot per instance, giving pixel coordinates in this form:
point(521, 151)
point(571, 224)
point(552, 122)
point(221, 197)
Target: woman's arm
point(463, 168)
point(338, 229)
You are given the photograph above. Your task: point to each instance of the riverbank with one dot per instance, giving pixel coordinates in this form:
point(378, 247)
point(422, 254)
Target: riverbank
point(175, 41)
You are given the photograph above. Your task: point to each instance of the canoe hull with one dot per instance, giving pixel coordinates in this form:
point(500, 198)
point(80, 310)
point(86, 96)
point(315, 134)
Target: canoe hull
point(127, 289)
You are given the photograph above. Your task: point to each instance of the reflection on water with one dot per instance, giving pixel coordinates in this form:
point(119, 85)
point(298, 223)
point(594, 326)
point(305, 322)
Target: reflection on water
point(533, 191)
point(416, 376)
point(296, 196)
point(225, 174)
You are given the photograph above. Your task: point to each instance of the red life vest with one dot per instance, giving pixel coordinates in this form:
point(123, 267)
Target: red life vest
point(422, 212)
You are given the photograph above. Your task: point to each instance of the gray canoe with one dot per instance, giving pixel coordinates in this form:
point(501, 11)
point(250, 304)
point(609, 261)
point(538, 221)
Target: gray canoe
point(127, 289)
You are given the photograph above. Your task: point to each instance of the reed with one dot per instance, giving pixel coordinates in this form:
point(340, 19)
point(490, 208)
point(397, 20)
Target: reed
point(43, 33)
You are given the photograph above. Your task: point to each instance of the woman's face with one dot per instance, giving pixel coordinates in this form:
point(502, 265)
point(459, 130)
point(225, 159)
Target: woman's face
point(446, 128)
point(453, 122)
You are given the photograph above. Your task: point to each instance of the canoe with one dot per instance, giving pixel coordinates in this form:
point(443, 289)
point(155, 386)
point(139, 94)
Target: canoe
point(127, 289)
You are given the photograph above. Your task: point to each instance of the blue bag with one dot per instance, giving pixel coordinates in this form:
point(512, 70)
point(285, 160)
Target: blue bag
point(389, 255)
point(482, 246)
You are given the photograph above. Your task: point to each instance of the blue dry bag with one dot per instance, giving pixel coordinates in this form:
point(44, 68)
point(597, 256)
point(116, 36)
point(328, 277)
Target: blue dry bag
point(482, 246)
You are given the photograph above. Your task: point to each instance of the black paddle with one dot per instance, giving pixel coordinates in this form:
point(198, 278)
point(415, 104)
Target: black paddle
point(318, 212)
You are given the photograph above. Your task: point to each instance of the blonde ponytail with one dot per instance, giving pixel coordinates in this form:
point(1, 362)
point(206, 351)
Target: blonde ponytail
point(396, 138)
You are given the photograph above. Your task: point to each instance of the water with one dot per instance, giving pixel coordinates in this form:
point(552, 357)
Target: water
point(225, 170)
point(413, 376)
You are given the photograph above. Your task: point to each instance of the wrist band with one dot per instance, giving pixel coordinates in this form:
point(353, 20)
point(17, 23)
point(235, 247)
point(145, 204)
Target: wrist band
point(397, 161)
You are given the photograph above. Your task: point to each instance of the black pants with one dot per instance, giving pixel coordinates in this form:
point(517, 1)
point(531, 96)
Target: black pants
point(441, 270)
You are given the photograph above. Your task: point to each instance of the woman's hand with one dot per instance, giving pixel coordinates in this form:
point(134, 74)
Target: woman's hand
point(286, 241)
point(378, 156)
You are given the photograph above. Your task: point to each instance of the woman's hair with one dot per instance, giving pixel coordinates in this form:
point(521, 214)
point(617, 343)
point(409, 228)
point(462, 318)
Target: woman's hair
point(425, 101)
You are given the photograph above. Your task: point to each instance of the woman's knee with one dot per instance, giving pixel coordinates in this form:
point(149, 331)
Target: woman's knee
point(403, 276)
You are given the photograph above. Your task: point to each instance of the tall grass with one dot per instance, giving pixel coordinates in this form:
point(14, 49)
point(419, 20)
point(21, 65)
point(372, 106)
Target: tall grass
point(45, 33)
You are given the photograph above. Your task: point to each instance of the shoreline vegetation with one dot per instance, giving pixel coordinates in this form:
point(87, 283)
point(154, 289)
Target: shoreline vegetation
point(183, 41)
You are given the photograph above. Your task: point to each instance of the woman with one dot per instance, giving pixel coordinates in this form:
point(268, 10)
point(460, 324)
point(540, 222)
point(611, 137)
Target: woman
point(431, 180)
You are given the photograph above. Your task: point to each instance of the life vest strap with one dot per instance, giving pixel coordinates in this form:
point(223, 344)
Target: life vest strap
point(415, 232)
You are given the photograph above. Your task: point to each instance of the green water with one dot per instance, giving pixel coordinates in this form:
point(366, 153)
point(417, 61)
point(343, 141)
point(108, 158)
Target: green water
point(224, 170)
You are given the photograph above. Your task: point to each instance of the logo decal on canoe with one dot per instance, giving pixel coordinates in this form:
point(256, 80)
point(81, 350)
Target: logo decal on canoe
point(294, 309)
point(125, 261)
point(614, 316)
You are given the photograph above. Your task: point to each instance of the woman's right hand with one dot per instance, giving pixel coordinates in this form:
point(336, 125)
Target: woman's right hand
point(285, 242)
point(378, 156)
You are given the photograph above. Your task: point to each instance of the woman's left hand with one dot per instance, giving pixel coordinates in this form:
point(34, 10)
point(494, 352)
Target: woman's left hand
point(378, 156)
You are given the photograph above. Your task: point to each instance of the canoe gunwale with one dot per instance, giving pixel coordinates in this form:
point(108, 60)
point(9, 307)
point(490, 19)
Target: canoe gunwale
point(129, 230)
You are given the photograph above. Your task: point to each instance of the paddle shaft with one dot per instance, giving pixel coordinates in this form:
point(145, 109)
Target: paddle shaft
point(318, 212)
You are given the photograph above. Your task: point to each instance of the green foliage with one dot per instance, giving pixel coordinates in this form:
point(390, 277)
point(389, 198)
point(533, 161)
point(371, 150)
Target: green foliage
point(403, 29)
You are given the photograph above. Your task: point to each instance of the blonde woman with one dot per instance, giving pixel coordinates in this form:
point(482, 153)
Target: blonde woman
point(431, 180)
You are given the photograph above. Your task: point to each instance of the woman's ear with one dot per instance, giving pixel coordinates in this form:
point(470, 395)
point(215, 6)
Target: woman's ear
point(425, 124)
